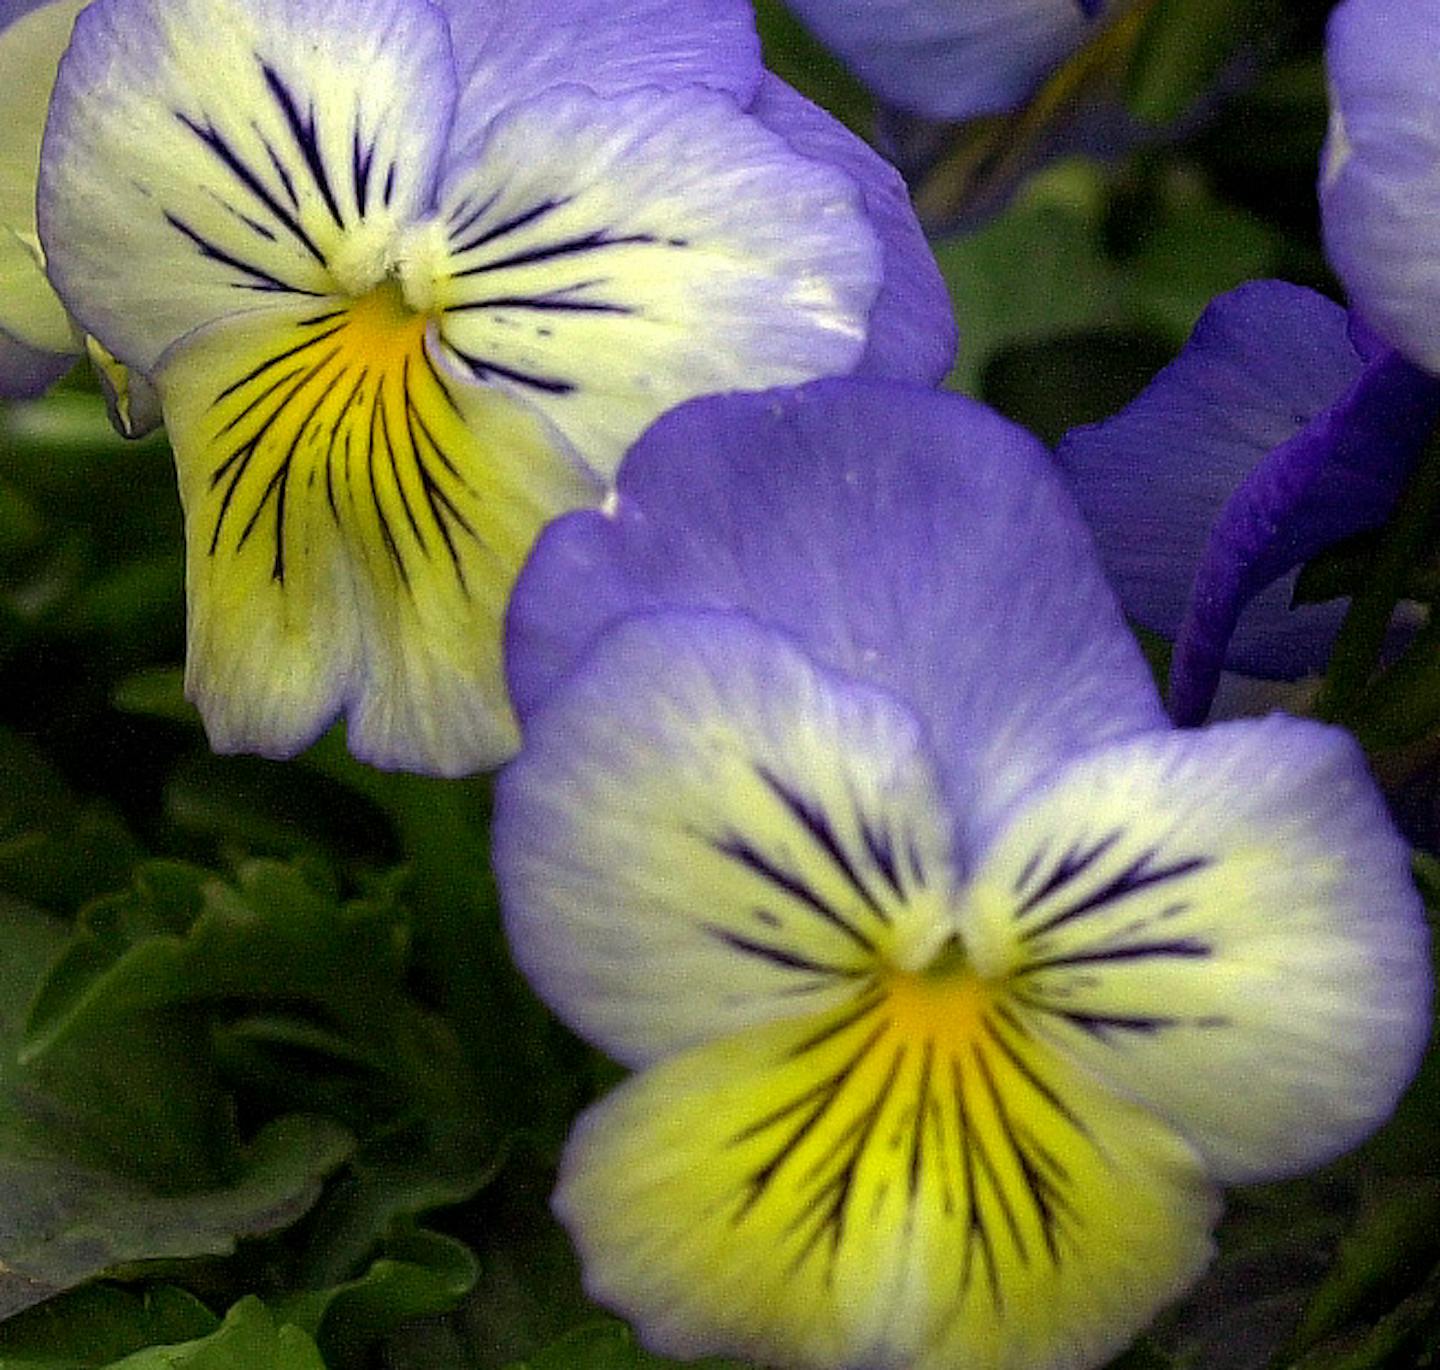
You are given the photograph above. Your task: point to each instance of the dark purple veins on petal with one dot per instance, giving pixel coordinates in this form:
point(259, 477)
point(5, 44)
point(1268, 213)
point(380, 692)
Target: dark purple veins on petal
point(1142, 873)
point(302, 129)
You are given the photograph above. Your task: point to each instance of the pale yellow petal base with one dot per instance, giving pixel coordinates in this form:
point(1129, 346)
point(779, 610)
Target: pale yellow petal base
point(354, 523)
point(911, 1183)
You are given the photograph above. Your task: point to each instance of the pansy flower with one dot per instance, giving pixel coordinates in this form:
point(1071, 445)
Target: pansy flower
point(1284, 427)
point(1380, 177)
point(953, 61)
point(37, 342)
point(954, 979)
point(410, 277)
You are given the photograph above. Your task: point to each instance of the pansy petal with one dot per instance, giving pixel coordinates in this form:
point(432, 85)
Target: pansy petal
point(1380, 184)
point(861, 1191)
point(948, 60)
point(29, 310)
point(911, 334)
point(26, 372)
point(33, 35)
point(205, 157)
point(1222, 925)
point(508, 50)
point(354, 521)
point(1273, 435)
point(907, 537)
point(605, 259)
point(705, 830)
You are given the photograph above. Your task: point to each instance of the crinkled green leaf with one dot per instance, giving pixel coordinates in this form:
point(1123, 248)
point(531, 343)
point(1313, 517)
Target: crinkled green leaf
point(62, 1222)
point(185, 955)
point(417, 1274)
point(66, 1216)
point(270, 995)
point(93, 1326)
point(250, 1338)
point(528, 1292)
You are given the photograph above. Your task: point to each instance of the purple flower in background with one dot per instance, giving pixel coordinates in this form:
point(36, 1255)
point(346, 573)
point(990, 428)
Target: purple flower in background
point(410, 277)
point(955, 980)
point(37, 342)
point(1380, 180)
point(948, 60)
point(1283, 428)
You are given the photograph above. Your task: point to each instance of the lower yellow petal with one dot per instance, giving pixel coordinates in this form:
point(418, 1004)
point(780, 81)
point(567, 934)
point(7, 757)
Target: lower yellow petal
point(354, 521)
point(908, 1182)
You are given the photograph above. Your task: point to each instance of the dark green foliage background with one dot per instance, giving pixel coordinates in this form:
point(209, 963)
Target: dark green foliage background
point(272, 1095)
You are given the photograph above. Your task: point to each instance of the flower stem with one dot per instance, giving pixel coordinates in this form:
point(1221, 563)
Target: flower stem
point(1362, 633)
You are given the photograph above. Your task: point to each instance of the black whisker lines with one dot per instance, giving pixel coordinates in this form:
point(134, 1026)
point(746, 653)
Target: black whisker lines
point(307, 138)
point(1143, 872)
point(813, 818)
point(784, 958)
point(231, 159)
point(460, 245)
point(599, 240)
point(484, 369)
point(345, 403)
point(1076, 861)
point(789, 883)
point(277, 181)
point(1184, 949)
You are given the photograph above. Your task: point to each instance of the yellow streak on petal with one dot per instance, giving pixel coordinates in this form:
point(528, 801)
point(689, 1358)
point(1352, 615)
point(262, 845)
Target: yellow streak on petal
point(355, 520)
point(910, 1181)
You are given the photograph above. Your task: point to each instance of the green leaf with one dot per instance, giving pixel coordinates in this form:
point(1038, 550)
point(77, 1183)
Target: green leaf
point(417, 1274)
point(250, 1338)
point(1044, 270)
point(185, 957)
point(1182, 47)
point(98, 1324)
point(1361, 639)
point(66, 1216)
point(273, 993)
point(64, 1222)
point(1407, 1336)
point(1393, 1242)
point(156, 693)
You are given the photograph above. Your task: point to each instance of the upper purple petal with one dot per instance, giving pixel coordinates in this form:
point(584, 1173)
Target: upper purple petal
point(949, 60)
point(906, 537)
point(509, 50)
point(1380, 188)
point(912, 334)
point(1278, 431)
